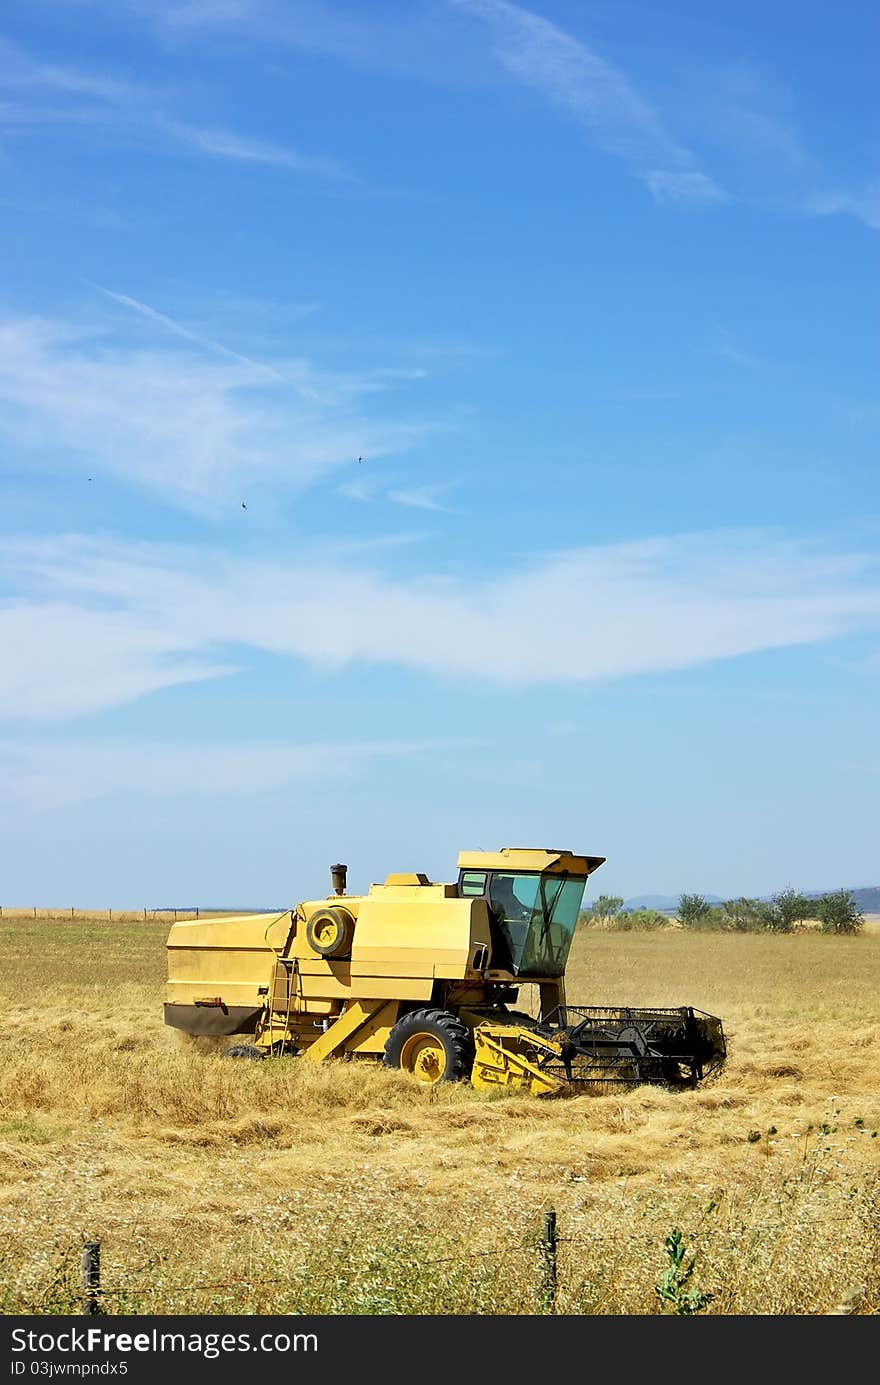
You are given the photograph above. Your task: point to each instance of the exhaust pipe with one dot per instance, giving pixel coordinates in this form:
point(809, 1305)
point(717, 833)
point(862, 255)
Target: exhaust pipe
point(338, 877)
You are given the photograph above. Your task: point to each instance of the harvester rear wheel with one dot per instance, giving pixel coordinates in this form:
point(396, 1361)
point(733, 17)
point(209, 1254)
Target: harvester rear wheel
point(244, 1051)
point(433, 1045)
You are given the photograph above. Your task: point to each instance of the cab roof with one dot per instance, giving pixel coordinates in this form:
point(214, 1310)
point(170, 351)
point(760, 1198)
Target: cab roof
point(529, 858)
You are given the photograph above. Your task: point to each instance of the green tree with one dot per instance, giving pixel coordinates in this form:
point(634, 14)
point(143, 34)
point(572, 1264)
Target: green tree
point(739, 913)
point(788, 907)
point(607, 906)
point(840, 913)
point(693, 910)
point(746, 915)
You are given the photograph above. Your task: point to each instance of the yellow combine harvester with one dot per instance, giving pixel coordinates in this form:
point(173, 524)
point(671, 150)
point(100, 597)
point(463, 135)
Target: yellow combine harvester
point(423, 975)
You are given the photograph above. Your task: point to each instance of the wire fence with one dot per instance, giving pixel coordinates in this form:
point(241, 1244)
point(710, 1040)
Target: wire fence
point(537, 1253)
point(147, 914)
point(97, 1297)
point(57, 915)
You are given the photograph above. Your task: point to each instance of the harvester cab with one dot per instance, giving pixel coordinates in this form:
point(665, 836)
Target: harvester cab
point(422, 976)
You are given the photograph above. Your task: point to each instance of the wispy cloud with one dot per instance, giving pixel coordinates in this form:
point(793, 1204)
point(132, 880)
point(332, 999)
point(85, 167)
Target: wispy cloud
point(190, 428)
point(427, 496)
point(46, 776)
point(20, 71)
point(130, 113)
point(411, 40)
point(683, 187)
point(750, 111)
point(223, 144)
point(863, 204)
point(149, 617)
point(178, 330)
point(727, 349)
point(598, 95)
point(750, 114)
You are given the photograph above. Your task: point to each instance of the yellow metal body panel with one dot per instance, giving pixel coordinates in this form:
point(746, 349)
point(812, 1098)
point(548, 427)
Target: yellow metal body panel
point(416, 933)
point(230, 957)
point(513, 858)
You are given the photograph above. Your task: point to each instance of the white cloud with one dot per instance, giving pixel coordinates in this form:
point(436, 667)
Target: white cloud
point(19, 71)
point(863, 204)
point(130, 113)
point(361, 491)
point(422, 497)
point(148, 616)
point(57, 774)
point(683, 187)
point(191, 429)
point(62, 659)
point(176, 328)
point(598, 95)
point(224, 144)
point(760, 134)
point(750, 110)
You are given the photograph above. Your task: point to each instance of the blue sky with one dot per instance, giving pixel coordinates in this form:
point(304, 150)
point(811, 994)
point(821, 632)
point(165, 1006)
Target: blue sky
point(436, 425)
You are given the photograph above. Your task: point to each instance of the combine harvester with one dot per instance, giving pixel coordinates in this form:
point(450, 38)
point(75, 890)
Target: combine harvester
point(422, 976)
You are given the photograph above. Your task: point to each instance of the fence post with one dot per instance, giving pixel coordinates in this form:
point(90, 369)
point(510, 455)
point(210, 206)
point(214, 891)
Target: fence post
point(91, 1277)
point(549, 1241)
point(35, 911)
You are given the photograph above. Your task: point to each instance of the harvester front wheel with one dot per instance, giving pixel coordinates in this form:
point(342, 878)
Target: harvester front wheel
point(433, 1045)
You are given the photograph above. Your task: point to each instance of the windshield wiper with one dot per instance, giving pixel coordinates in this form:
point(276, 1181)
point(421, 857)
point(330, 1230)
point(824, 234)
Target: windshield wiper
point(547, 910)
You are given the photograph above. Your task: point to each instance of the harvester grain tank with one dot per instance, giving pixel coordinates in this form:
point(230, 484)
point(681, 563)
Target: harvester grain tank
point(423, 976)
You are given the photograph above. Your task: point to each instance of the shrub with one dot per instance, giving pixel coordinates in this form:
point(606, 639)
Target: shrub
point(693, 911)
point(639, 920)
point(839, 913)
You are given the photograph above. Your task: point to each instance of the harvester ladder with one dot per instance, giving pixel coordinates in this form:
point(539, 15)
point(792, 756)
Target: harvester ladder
point(290, 967)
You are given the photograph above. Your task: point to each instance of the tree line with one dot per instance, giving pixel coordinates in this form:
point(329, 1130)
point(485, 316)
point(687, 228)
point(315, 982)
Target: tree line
point(837, 912)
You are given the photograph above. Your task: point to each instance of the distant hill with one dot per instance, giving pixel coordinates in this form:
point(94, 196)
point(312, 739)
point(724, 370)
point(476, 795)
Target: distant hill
point(867, 897)
point(666, 903)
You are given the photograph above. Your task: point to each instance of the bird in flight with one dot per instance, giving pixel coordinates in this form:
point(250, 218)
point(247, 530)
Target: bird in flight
point(243, 506)
point(360, 459)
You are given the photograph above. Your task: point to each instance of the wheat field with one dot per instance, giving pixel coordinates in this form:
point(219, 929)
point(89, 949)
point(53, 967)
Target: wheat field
point(225, 1187)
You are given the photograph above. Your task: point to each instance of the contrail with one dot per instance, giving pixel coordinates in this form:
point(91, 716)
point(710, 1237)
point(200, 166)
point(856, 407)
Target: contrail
point(168, 322)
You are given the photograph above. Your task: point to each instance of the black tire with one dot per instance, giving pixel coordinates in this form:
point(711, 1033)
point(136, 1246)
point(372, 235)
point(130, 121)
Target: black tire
point(451, 1037)
point(244, 1051)
point(330, 931)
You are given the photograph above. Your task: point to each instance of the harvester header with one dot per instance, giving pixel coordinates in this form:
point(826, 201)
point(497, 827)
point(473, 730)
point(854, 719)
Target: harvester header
point(423, 975)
